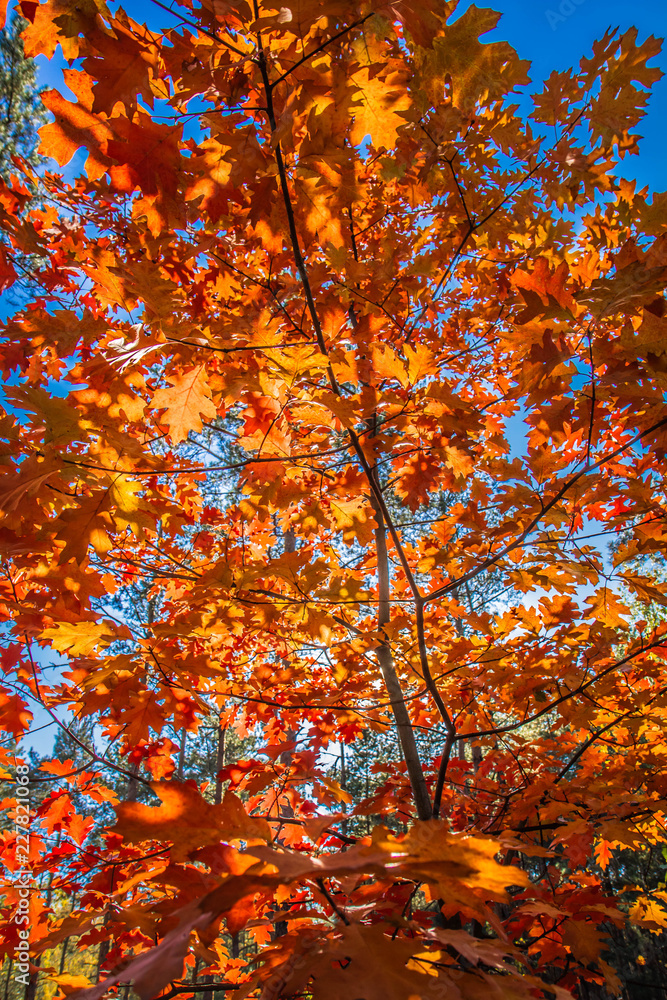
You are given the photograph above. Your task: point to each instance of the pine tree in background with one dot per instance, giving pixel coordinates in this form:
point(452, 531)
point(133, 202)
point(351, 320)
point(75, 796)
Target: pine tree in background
point(21, 111)
point(21, 116)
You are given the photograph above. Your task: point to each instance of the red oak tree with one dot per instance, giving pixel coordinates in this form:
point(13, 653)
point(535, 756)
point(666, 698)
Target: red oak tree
point(361, 430)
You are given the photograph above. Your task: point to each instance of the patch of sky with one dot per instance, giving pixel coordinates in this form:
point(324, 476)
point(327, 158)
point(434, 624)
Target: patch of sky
point(555, 34)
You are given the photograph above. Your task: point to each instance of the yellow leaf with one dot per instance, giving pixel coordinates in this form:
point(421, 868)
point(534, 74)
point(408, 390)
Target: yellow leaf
point(355, 519)
point(651, 913)
point(458, 461)
point(387, 364)
point(381, 94)
point(68, 983)
point(607, 609)
point(78, 638)
point(185, 402)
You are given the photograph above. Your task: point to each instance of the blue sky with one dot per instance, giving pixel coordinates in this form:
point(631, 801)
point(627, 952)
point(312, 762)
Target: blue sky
point(552, 34)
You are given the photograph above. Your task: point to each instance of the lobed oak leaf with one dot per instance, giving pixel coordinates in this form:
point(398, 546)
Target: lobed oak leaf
point(93, 520)
point(15, 716)
point(459, 462)
point(436, 856)
point(622, 834)
point(473, 70)
point(651, 913)
point(354, 517)
point(185, 403)
point(585, 941)
point(188, 820)
point(111, 280)
point(633, 284)
point(73, 925)
point(69, 18)
point(380, 98)
point(365, 961)
point(123, 65)
point(420, 362)
point(33, 473)
point(388, 365)
point(78, 827)
point(608, 609)
point(74, 126)
point(56, 810)
point(139, 716)
point(604, 853)
point(293, 362)
point(80, 638)
point(544, 289)
point(491, 952)
point(58, 767)
point(61, 421)
point(316, 825)
point(418, 479)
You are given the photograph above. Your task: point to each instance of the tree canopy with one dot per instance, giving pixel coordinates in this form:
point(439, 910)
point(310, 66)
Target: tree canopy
point(359, 442)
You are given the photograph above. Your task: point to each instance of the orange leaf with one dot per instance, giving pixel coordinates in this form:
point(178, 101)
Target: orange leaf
point(72, 18)
point(188, 820)
point(74, 126)
point(185, 403)
point(604, 853)
point(15, 717)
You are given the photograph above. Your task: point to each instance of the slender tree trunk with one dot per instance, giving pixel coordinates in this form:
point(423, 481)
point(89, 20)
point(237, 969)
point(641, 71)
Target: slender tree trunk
point(220, 761)
point(8, 978)
point(286, 811)
point(343, 781)
point(406, 733)
point(31, 988)
point(102, 953)
point(181, 755)
point(280, 926)
point(63, 956)
point(132, 787)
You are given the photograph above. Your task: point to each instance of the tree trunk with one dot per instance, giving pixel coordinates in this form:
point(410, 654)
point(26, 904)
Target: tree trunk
point(10, 965)
point(220, 762)
point(181, 756)
point(406, 733)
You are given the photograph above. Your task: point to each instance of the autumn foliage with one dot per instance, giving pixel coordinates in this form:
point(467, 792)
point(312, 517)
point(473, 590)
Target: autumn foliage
point(344, 330)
